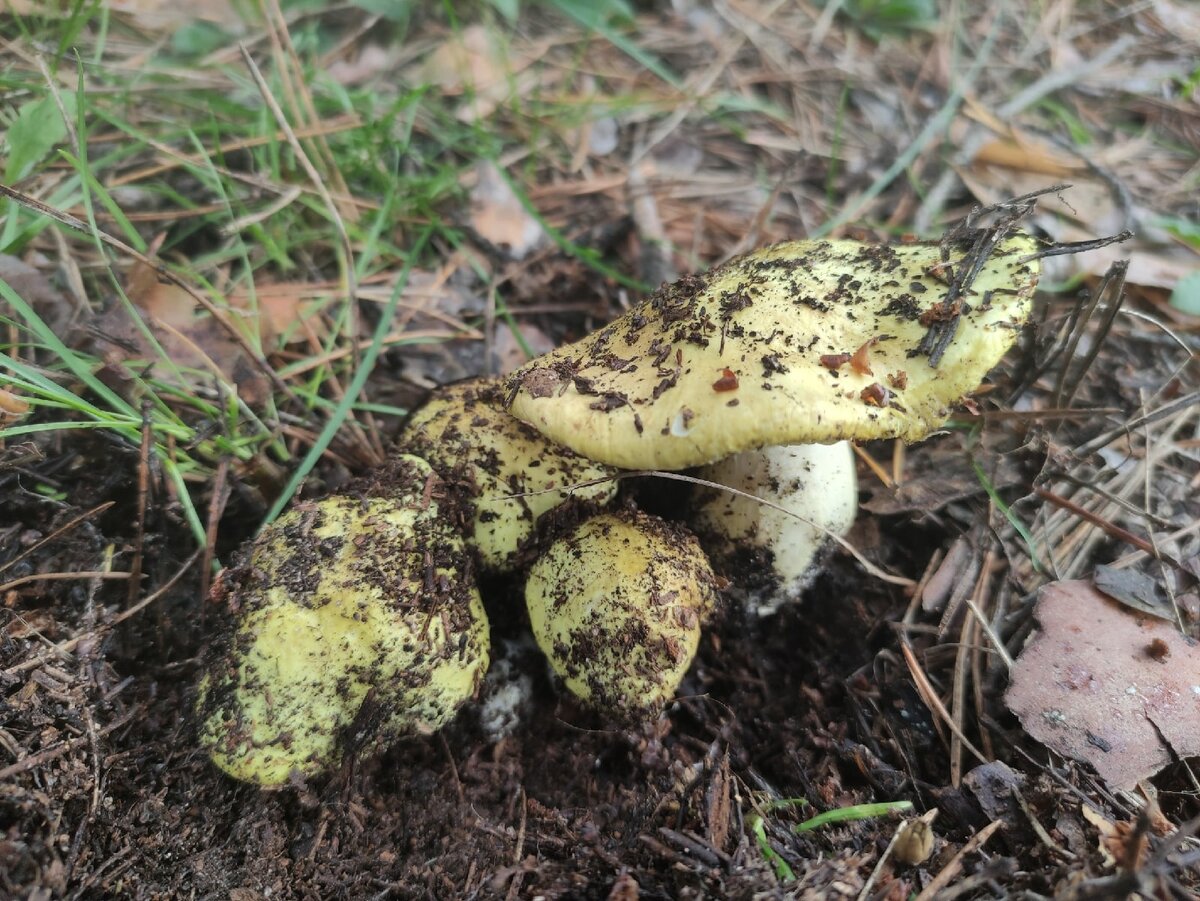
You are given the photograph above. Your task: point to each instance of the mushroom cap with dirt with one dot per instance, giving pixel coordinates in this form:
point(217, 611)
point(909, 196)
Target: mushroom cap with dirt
point(742, 370)
point(616, 605)
point(352, 620)
point(803, 342)
point(505, 468)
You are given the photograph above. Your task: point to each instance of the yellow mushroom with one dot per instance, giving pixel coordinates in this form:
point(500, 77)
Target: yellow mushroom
point(749, 370)
point(353, 619)
point(798, 343)
point(616, 606)
point(467, 435)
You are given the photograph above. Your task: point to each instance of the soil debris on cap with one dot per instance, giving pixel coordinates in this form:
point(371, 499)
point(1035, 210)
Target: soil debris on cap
point(353, 614)
point(616, 606)
point(639, 393)
point(501, 465)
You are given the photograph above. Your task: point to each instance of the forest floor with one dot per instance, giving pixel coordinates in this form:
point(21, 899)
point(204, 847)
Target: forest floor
point(241, 241)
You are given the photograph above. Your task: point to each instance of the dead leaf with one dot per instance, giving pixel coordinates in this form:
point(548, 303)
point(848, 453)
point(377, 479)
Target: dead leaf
point(12, 407)
point(479, 63)
point(508, 354)
point(1134, 589)
point(31, 622)
point(280, 307)
point(190, 340)
point(498, 215)
point(169, 15)
point(155, 15)
point(1107, 831)
point(1120, 843)
point(1015, 148)
point(1028, 157)
point(363, 64)
point(52, 305)
point(1087, 687)
point(995, 786)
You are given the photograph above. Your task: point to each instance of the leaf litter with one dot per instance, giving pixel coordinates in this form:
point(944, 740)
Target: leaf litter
point(1105, 685)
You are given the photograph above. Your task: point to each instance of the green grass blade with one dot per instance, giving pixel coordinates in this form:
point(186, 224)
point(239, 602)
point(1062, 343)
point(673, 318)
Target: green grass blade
point(366, 364)
point(783, 872)
point(78, 367)
point(849, 814)
point(1018, 526)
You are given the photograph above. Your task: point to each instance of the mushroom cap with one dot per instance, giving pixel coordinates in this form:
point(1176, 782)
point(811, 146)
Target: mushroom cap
point(745, 355)
point(464, 431)
point(771, 552)
point(351, 620)
point(616, 606)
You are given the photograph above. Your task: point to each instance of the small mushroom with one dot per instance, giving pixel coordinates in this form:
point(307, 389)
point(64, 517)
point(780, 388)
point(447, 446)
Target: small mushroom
point(464, 431)
point(352, 619)
point(771, 348)
point(769, 550)
point(616, 606)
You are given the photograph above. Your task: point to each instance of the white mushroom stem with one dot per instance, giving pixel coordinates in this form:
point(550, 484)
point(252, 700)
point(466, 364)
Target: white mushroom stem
point(811, 493)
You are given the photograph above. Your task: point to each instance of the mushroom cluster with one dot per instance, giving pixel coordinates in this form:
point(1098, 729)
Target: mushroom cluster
point(357, 618)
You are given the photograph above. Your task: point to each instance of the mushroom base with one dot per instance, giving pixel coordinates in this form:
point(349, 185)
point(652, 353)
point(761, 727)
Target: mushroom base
point(770, 531)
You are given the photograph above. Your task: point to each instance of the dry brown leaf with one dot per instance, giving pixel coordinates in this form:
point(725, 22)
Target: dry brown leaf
point(52, 305)
point(31, 622)
point(280, 307)
point(169, 15)
point(997, 788)
point(1014, 148)
point(365, 63)
point(477, 61)
point(1107, 832)
point(1107, 686)
point(1135, 589)
point(499, 217)
point(189, 340)
point(507, 352)
point(1120, 842)
point(156, 15)
point(1027, 158)
point(12, 406)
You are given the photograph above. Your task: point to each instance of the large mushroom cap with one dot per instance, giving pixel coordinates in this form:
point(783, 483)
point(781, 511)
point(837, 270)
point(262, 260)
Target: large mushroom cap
point(769, 349)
